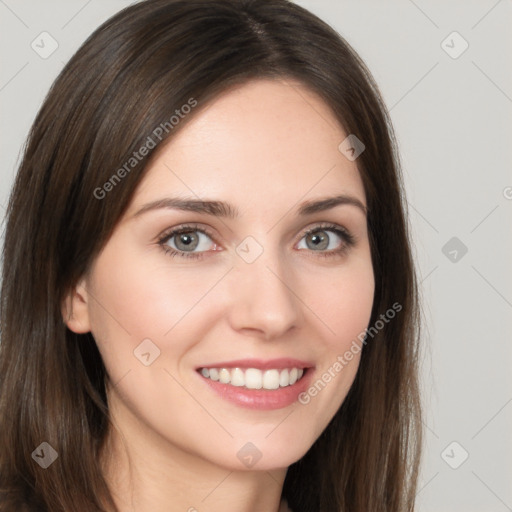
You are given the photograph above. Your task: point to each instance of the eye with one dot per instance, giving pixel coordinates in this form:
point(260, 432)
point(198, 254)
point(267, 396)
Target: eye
point(327, 240)
point(184, 240)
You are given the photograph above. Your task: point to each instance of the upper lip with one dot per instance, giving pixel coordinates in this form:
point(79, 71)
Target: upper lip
point(262, 364)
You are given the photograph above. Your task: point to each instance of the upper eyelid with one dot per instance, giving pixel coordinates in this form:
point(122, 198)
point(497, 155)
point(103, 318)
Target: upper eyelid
point(168, 233)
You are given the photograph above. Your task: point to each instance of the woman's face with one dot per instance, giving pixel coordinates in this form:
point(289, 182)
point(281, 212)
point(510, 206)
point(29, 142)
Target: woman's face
point(204, 334)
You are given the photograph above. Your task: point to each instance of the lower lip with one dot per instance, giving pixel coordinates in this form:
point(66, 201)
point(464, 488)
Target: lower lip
point(263, 399)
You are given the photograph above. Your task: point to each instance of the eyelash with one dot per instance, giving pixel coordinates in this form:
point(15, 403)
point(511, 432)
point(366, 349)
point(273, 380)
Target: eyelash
point(348, 239)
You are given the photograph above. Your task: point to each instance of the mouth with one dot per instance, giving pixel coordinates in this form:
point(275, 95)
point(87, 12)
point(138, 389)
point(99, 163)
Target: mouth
point(258, 384)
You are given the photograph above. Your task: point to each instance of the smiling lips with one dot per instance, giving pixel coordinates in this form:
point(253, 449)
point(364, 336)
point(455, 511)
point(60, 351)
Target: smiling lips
point(258, 384)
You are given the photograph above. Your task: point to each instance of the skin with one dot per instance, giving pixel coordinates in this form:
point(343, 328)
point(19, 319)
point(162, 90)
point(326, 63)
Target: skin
point(265, 147)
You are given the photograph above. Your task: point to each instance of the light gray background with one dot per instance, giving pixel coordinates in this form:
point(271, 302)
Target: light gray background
point(454, 125)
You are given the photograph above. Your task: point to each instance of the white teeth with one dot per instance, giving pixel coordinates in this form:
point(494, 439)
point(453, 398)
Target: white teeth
point(253, 378)
point(237, 377)
point(224, 376)
point(271, 379)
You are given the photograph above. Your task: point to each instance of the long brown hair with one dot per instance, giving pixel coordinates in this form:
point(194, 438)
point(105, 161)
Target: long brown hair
point(127, 79)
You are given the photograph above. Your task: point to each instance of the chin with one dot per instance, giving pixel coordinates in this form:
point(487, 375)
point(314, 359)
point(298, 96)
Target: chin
point(274, 452)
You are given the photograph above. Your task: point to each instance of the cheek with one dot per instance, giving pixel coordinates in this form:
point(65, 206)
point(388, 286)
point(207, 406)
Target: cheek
point(343, 300)
point(139, 297)
point(352, 305)
point(345, 309)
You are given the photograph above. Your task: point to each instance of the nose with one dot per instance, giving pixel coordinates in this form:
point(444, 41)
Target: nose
point(263, 299)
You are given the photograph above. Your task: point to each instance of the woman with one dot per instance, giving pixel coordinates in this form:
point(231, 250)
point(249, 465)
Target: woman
point(208, 298)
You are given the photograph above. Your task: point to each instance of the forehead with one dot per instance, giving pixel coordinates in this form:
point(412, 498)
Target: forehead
point(264, 142)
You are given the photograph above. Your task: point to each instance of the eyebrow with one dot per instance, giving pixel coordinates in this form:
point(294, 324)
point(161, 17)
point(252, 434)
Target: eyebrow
point(227, 210)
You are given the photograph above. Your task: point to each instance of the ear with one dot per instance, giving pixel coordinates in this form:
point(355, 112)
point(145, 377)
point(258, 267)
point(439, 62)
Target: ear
point(75, 309)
